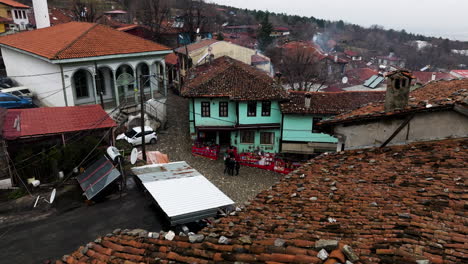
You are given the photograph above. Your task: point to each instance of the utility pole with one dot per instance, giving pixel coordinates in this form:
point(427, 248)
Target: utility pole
point(142, 95)
point(99, 88)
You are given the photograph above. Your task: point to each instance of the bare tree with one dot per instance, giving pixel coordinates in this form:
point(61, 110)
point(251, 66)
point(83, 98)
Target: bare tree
point(301, 70)
point(85, 10)
point(153, 14)
point(194, 18)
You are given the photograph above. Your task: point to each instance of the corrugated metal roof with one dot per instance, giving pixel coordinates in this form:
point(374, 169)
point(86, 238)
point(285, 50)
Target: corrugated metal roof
point(181, 190)
point(97, 177)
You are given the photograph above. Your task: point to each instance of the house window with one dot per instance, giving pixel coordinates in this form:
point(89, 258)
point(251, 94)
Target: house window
point(266, 138)
point(24, 14)
point(266, 108)
point(247, 137)
point(252, 108)
point(80, 79)
point(205, 109)
point(16, 14)
point(315, 121)
point(223, 109)
point(9, 13)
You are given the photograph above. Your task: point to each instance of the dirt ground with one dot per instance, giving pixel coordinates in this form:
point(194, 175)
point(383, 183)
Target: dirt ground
point(175, 141)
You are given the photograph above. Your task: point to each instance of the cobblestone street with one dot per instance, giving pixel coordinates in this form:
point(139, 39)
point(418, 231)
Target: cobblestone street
point(175, 141)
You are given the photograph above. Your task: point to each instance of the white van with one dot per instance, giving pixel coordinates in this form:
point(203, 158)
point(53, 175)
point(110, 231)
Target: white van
point(20, 91)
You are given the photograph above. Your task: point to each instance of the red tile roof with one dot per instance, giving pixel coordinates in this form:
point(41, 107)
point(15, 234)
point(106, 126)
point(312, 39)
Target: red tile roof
point(241, 39)
point(227, 77)
point(127, 27)
point(328, 103)
point(171, 59)
point(6, 20)
point(259, 59)
point(426, 77)
point(462, 73)
point(359, 75)
point(309, 47)
point(351, 53)
point(391, 205)
point(55, 120)
point(195, 46)
point(439, 94)
point(79, 40)
point(13, 4)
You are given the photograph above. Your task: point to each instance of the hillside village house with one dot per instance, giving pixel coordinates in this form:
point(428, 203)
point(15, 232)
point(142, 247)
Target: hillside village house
point(304, 110)
point(71, 64)
point(204, 50)
point(13, 15)
point(232, 103)
point(436, 111)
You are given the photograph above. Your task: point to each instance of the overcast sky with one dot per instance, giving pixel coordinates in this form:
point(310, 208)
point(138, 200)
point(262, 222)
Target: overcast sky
point(446, 18)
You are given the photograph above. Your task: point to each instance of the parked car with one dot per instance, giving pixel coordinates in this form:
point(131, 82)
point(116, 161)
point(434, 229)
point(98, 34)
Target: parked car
point(12, 101)
point(134, 136)
point(20, 91)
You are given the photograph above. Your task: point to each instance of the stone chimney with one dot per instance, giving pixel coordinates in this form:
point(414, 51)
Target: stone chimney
point(41, 13)
point(308, 98)
point(398, 89)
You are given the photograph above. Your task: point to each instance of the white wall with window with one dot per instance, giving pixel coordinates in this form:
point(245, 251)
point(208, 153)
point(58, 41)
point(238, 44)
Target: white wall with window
point(20, 17)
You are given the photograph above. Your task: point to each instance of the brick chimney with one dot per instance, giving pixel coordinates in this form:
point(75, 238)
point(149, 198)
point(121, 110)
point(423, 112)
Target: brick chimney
point(398, 89)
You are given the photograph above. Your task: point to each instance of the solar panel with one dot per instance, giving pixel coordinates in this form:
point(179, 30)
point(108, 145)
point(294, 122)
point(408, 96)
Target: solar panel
point(376, 82)
point(370, 80)
point(97, 177)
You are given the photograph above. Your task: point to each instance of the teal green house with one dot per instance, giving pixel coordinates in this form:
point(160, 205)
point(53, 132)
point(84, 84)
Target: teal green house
point(234, 104)
point(304, 110)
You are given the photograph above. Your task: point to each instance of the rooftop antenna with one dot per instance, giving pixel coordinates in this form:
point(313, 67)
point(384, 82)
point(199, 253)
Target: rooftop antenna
point(345, 80)
point(51, 198)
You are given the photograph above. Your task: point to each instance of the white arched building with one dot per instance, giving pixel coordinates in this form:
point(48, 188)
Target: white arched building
point(71, 64)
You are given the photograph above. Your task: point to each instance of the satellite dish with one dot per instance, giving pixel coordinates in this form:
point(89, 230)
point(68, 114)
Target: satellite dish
point(113, 153)
point(225, 24)
point(198, 30)
point(51, 199)
point(52, 195)
point(133, 156)
point(344, 80)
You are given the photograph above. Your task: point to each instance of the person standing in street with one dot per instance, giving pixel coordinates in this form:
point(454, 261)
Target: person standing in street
point(227, 161)
point(237, 167)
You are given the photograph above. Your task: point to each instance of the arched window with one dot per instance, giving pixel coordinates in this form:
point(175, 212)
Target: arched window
point(80, 81)
point(128, 72)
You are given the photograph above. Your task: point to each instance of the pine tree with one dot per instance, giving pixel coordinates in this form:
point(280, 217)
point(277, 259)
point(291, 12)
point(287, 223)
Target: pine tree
point(264, 34)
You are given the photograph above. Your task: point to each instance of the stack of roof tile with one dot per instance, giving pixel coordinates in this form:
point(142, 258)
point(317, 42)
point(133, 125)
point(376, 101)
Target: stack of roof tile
point(403, 204)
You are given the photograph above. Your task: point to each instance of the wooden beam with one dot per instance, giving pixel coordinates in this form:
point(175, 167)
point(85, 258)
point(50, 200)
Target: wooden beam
point(397, 130)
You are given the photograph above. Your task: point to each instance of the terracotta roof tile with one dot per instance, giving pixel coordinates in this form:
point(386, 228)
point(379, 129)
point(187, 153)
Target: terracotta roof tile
point(6, 20)
point(426, 77)
point(391, 205)
point(54, 120)
point(438, 94)
point(332, 103)
point(359, 75)
point(13, 4)
point(171, 59)
point(227, 77)
point(79, 40)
